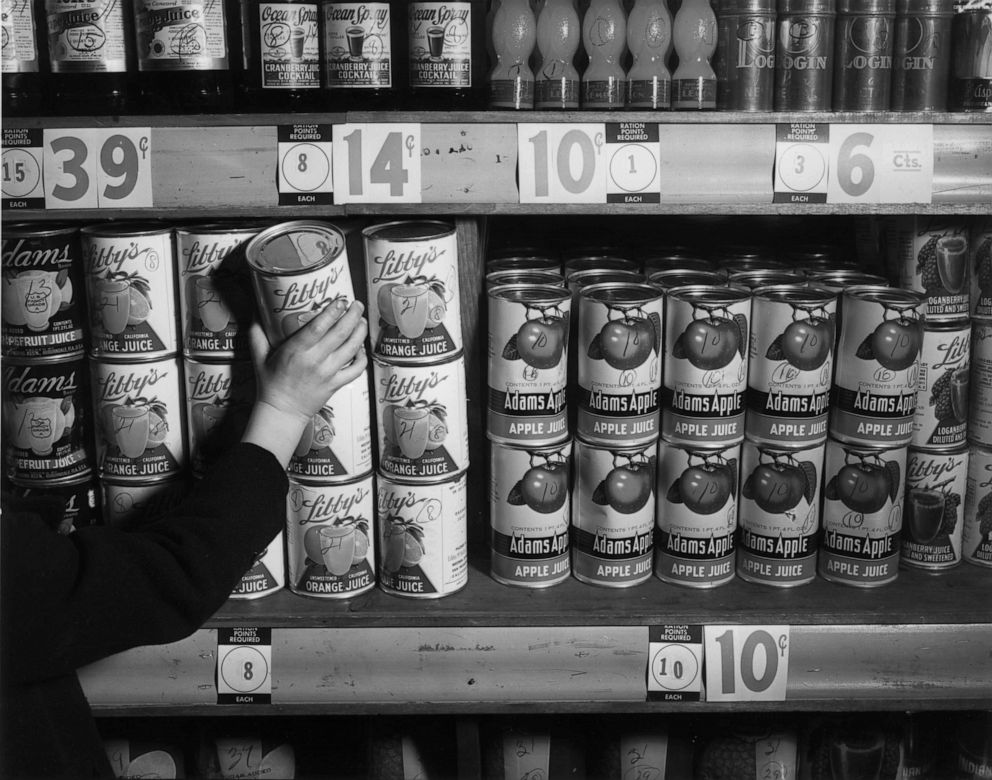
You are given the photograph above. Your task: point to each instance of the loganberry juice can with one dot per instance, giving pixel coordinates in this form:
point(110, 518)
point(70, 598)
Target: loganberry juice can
point(980, 399)
point(936, 483)
point(80, 500)
point(980, 244)
point(941, 419)
point(219, 398)
point(127, 503)
point(976, 535)
point(529, 508)
point(932, 256)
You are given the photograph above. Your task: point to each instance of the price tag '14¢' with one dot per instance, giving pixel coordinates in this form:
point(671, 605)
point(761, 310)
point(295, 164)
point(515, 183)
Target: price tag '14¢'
point(377, 163)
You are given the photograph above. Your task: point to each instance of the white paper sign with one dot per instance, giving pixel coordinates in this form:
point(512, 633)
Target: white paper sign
point(377, 163)
point(746, 663)
point(562, 163)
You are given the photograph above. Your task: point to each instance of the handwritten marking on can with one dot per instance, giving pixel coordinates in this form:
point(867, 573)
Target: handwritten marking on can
point(330, 538)
point(219, 398)
point(976, 536)
point(980, 399)
point(862, 514)
point(790, 367)
point(412, 271)
point(876, 372)
point(80, 498)
point(931, 254)
point(529, 506)
point(941, 418)
point(619, 363)
point(130, 290)
point(613, 514)
point(127, 502)
point(138, 407)
point(696, 514)
point(705, 365)
point(528, 362)
point(46, 418)
point(42, 291)
point(423, 430)
point(423, 537)
point(936, 483)
point(980, 244)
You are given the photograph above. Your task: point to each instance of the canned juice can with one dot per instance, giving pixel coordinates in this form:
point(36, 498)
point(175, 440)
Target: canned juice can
point(863, 61)
point(675, 259)
point(619, 363)
point(862, 514)
point(696, 514)
point(705, 365)
point(976, 535)
point(297, 268)
point(128, 503)
point(876, 372)
point(42, 310)
point(980, 244)
point(936, 483)
point(80, 498)
point(941, 419)
point(219, 398)
point(130, 290)
point(267, 573)
point(980, 399)
point(529, 278)
point(215, 290)
point(524, 262)
point(779, 512)
point(790, 366)
point(931, 254)
point(669, 278)
point(138, 406)
point(528, 364)
point(46, 418)
point(423, 537)
point(412, 271)
point(804, 55)
point(613, 514)
point(920, 62)
point(839, 279)
point(529, 508)
point(579, 263)
point(423, 426)
point(330, 534)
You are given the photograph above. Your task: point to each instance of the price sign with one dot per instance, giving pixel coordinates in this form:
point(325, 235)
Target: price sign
point(377, 163)
point(746, 663)
point(562, 163)
point(635, 163)
point(244, 665)
point(801, 153)
point(96, 168)
point(881, 164)
point(305, 165)
point(23, 186)
point(675, 663)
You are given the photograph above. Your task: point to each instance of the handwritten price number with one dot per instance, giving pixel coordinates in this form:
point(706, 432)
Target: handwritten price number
point(382, 163)
point(745, 663)
point(95, 169)
point(562, 165)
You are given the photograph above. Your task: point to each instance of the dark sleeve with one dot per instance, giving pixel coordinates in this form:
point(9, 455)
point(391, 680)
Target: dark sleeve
point(67, 601)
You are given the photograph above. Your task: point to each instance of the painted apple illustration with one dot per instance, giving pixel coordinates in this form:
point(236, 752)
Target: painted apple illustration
point(626, 489)
point(864, 487)
point(705, 488)
point(804, 343)
point(895, 344)
point(543, 488)
point(710, 343)
point(403, 544)
point(539, 343)
point(627, 343)
point(777, 487)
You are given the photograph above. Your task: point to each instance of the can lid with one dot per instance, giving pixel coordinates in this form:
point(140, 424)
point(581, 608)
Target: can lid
point(621, 292)
point(796, 294)
point(867, 7)
point(711, 294)
point(807, 7)
point(294, 247)
point(746, 6)
point(925, 7)
point(894, 297)
point(764, 277)
point(531, 293)
point(579, 279)
point(409, 230)
point(677, 277)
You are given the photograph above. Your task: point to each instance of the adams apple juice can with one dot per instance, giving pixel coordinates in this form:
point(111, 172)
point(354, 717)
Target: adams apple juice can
point(980, 245)
point(980, 399)
point(941, 418)
point(936, 483)
point(219, 397)
point(976, 535)
point(696, 514)
point(330, 538)
point(530, 500)
point(931, 254)
point(528, 364)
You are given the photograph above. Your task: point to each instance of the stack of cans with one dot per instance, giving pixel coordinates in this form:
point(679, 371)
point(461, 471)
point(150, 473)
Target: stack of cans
point(421, 405)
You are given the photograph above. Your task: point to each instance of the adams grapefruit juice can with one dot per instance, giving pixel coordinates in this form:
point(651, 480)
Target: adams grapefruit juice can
point(936, 483)
point(528, 364)
point(529, 506)
point(219, 398)
point(976, 536)
point(80, 498)
point(330, 538)
point(941, 418)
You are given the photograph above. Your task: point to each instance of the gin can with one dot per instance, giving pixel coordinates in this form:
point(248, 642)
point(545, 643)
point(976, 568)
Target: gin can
point(976, 535)
point(804, 53)
point(941, 418)
point(936, 484)
point(863, 62)
point(921, 59)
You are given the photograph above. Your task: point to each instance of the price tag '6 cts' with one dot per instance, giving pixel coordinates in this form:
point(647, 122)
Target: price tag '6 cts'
point(881, 164)
point(377, 163)
point(98, 168)
point(562, 163)
point(746, 663)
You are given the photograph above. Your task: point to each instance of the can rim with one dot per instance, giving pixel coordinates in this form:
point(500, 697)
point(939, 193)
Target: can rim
point(371, 232)
point(601, 291)
point(553, 292)
point(117, 230)
point(877, 293)
point(711, 293)
point(33, 230)
point(216, 227)
point(790, 293)
point(258, 241)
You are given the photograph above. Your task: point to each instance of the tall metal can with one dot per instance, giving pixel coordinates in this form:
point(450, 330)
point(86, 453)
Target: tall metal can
point(980, 245)
point(980, 399)
point(744, 61)
point(921, 55)
point(932, 257)
point(219, 396)
point(976, 536)
point(970, 87)
point(941, 418)
point(936, 483)
point(863, 61)
point(804, 54)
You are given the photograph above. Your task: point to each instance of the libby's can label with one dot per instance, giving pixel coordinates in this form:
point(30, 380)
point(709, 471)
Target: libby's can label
point(876, 372)
point(790, 366)
point(705, 365)
point(138, 406)
point(80, 498)
point(330, 538)
point(46, 418)
point(423, 430)
point(131, 503)
point(779, 514)
point(528, 364)
point(219, 399)
point(862, 514)
point(980, 399)
point(267, 573)
point(936, 483)
point(130, 290)
point(696, 514)
point(412, 271)
point(42, 308)
point(619, 352)
point(613, 514)
point(215, 290)
point(423, 537)
point(529, 509)
point(932, 256)
point(976, 534)
point(981, 268)
point(941, 418)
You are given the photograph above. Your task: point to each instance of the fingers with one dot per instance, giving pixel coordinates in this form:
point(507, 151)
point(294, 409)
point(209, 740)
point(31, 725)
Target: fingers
point(325, 319)
point(258, 343)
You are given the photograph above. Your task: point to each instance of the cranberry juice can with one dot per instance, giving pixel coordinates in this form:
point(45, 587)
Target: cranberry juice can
point(696, 514)
point(529, 508)
point(528, 363)
point(412, 271)
point(931, 254)
point(980, 244)
point(705, 365)
point(936, 483)
point(423, 537)
point(976, 535)
point(215, 290)
point(862, 514)
point(330, 538)
point(619, 352)
point(941, 419)
point(131, 290)
point(43, 290)
point(80, 498)
point(979, 398)
point(219, 398)
point(876, 371)
point(613, 514)
point(46, 418)
point(139, 409)
point(127, 503)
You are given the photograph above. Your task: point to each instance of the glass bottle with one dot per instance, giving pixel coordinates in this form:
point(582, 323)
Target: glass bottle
point(514, 35)
point(649, 37)
point(558, 38)
point(447, 54)
point(25, 59)
point(604, 37)
point(282, 48)
point(694, 34)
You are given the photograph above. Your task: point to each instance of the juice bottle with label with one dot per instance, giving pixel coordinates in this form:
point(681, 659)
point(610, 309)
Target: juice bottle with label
point(514, 34)
point(558, 37)
point(25, 59)
point(282, 54)
point(649, 38)
point(695, 35)
point(447, 54)
point(604, 36)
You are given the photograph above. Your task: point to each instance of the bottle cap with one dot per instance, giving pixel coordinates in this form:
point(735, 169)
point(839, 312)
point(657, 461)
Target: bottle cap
point(807, 7)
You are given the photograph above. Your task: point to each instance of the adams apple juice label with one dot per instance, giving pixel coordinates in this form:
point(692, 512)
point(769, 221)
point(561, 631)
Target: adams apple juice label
point(934, 507)
point(976, 536)
point(941, 418)
point(980, 245)
point(219, 397)
point(932, 256)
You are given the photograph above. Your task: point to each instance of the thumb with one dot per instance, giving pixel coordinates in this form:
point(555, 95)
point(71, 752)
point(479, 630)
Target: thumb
point(258, 342)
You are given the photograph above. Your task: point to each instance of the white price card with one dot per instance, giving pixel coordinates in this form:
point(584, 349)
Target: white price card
point(22, 158)
point(560, 163)
point(634, 162)
point(881, 164)
point(746, 663)
point(305, 165)
point(675, 663)
point(801, 153)
point(377, 163)
point(244, 665)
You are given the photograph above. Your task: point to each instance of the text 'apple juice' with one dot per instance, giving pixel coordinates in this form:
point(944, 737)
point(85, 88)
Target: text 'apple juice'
point(936, 483)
